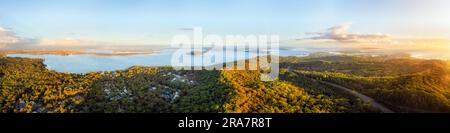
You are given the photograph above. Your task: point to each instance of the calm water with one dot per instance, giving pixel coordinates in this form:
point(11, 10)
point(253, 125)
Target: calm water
point(92, 63)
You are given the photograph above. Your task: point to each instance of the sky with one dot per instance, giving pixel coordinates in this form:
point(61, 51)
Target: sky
point(151, 22)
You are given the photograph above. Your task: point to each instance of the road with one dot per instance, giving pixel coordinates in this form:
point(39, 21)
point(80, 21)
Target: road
point(363, 97)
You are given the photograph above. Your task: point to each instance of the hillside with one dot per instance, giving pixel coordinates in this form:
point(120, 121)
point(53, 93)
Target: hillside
point(416, 86)
point(404, 84)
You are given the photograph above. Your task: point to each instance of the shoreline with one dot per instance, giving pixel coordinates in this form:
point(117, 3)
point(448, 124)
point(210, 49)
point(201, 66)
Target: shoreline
point(79, 52)
point(65, 53)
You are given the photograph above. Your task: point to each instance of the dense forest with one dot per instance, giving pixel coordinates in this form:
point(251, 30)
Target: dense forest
point(399, 82)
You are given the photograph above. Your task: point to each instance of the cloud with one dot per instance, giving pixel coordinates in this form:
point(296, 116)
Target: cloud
point(186, 29)
point(7, 38)
point(65, 41)
point(334, 36)
point(340, 34)
point(9, 41)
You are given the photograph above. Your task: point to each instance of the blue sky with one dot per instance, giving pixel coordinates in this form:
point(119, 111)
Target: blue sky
point(155, 21)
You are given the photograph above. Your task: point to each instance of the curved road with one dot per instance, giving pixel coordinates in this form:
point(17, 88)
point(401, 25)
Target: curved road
point(363, 97)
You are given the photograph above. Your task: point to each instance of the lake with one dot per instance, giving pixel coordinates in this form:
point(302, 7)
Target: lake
point(93, 63)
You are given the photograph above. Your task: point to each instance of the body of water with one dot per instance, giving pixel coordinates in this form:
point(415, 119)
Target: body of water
point(93, 63)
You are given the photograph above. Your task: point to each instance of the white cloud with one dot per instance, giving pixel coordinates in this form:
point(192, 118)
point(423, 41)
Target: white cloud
point(65, 41)
point(340, 34)
point(8, 40)
point(7, 37)
point(186, 29)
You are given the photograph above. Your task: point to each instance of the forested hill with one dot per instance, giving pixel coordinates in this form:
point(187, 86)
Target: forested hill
point(402, 84)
